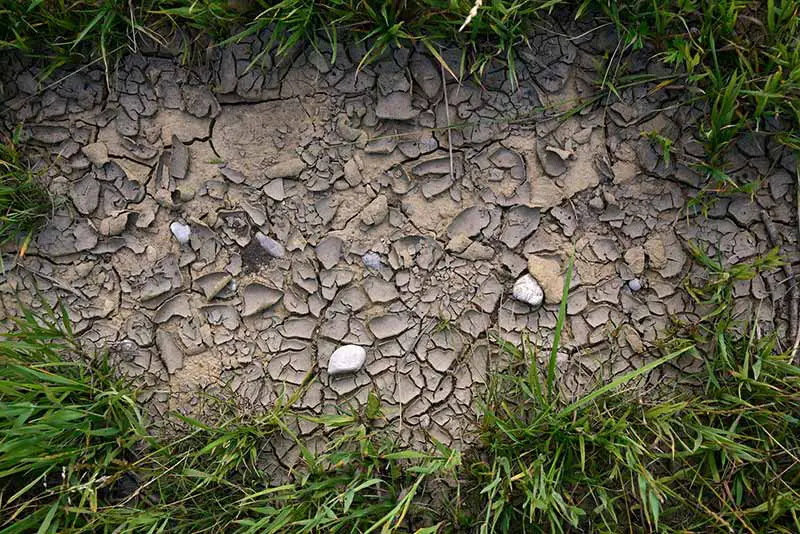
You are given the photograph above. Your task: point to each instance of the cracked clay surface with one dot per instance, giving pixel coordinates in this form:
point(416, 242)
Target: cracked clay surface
point(226, 229)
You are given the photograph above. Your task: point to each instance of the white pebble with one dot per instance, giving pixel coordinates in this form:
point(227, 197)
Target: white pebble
point(182, 232)
point(372, 260)
point(528, 290)
point(635, 284)
point(346, 359)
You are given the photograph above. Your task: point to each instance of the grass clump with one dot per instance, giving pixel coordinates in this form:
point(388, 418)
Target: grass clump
point(722, 457)
point(68, 429)
point(740, 61)
point(25, 204)
point(75, 456)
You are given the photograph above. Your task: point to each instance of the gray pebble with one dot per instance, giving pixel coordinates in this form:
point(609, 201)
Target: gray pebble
point(272, 247)
point(635, 284)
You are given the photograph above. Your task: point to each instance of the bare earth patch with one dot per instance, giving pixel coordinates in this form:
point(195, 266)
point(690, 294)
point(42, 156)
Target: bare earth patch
point(385, 230)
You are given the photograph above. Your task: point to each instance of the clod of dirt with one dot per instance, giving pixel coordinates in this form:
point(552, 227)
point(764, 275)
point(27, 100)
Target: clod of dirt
point(329, 250)
point(396, 106)
point(96, 153)
point(547, 272)
point(634, 257)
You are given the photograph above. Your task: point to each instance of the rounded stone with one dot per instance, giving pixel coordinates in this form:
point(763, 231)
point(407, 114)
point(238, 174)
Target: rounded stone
point(346, 359)
point(635, 284)
point(182, 232)
point(528, 290)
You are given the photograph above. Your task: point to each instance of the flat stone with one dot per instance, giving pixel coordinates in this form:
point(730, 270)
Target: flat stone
point(96, 153)
point(258, 297)
point(547, 272)
point(346, 360)
point(396, 106)
point(329, 251)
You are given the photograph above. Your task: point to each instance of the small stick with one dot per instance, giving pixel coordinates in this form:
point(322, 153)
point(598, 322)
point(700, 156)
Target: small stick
point(447, 116)
point(794, 324)
point(795, 290)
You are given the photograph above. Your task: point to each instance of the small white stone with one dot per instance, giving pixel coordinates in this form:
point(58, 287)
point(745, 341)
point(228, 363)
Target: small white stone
point(528, 290)
point(346, 359)
point(182, 232)
point(635, 284)
point(372, 260)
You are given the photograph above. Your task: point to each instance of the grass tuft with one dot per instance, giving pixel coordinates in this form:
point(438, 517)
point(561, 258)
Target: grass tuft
point(25, 204)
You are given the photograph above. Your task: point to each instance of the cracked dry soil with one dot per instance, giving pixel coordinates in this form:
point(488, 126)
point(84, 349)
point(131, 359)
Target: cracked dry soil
point(326, 206)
